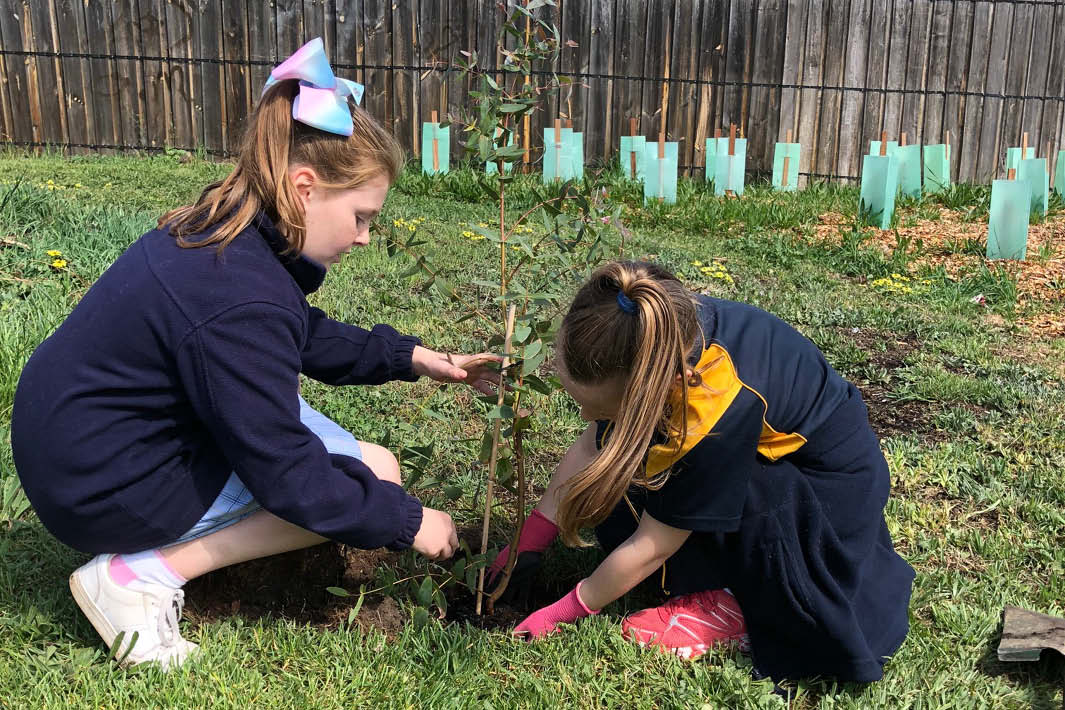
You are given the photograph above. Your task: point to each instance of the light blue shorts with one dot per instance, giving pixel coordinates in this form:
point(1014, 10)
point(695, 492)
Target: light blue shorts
point(235, 502)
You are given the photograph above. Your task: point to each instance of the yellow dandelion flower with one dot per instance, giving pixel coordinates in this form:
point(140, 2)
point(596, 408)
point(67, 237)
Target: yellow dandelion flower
point(468, 234)
point(50, 182)
point(77, 185)
point(107, 185)
point(59, 264)
point(477, 237)
point(697, 263)
point(411, 227)
point(54, 253)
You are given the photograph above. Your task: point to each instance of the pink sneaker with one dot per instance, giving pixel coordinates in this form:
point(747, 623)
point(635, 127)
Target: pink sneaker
point(689, 625)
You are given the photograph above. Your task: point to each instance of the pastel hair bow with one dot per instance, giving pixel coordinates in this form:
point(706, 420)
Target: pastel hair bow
point(323, 98)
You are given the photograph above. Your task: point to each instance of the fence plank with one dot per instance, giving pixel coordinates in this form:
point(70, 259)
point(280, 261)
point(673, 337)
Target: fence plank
point(629, 55)
point(684, 64)
point(237, 84)
point(876, 75)
point(976, 81)
point(896, 66)
point(17, 73)
point(262, 46)
point(69, 31)
point(377, 25)
point(736, 48)
point(1038, 83)
point(989, 161)
point(100, 27)
point(212, 77)
point(836, 41)
point(794, 48)
point(852, 103)
point(349, 53)
point(934, 119)
point(314, 24)
point(600, 104)
point(152, 27)
point(181, 43)
point(654, 68)
point(766, 64)
point(405, 111)
point(1053, 111)
point(1011, 127)
point(916, 66)
point(290, 32)
point(52, 115)
point(432, 18)
point(810, 99)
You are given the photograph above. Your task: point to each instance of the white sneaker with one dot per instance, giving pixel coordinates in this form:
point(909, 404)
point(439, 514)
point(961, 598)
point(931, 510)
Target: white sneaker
point(146, 621)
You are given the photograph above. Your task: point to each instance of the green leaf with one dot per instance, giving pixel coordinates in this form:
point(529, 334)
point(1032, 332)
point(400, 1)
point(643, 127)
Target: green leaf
point(504, 470)
point(338, 591)
point(538, 385)
point(503, 411)
point(485, 454)
point(421, 617)
point(521, 332)
point(424, 592)
point(452, 493)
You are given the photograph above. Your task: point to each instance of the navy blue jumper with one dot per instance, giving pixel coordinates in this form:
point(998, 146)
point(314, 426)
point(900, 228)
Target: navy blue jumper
point(782, 481)
point(181, 365)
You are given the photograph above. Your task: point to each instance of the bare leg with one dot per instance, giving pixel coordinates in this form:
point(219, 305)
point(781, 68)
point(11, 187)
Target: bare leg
point(261, 534)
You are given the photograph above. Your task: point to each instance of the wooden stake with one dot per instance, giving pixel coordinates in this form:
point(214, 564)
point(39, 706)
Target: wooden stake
point(732, 139)
point(1024, 145)
point(558, 145)
point(784, 174)
point(789, 136)
point(902, 140)
point(492, 458)
point(1011, 174)
point(569, 124)
point(948, 146)
point(436, 143)
point(632, 155)
point(883, 142)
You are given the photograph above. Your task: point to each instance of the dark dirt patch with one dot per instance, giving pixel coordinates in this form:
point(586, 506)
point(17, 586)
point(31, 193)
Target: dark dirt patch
point(293, 586)
point(888, 416)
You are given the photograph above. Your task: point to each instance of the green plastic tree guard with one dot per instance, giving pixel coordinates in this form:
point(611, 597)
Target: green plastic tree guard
point(1013, 157)
point(630, 146)
point(1059, 174)
point(1034, 172)
point(565, 160)
point(880, 182)
point(443, 148)
point(909, 157)
point(790, 151)
point(936, 168)
point(874, 147)
point(729, 169)
point(714, 146)
point(1007, 224)
point(660, 174)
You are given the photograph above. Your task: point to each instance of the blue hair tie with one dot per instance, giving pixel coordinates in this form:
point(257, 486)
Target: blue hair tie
point(625, 303)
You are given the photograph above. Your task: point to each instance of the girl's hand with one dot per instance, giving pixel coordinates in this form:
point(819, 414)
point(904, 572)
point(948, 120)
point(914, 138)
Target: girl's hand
point(437, 538)
point(478, 371)
point(545, 621)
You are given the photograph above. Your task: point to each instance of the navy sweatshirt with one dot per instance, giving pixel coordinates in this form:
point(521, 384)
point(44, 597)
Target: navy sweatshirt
point(181, 365)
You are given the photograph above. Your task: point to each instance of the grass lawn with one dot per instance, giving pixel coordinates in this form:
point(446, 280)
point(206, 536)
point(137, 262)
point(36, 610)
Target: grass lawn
point(960, 362)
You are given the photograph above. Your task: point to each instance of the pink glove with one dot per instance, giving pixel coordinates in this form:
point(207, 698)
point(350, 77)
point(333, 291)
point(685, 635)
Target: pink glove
point(545, 621)
point(536, 536)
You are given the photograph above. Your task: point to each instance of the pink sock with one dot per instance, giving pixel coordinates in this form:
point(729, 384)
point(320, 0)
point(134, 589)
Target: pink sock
point(144, 568)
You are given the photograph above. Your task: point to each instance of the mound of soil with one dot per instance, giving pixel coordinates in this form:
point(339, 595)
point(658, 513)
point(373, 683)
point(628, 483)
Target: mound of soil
point(293, 586)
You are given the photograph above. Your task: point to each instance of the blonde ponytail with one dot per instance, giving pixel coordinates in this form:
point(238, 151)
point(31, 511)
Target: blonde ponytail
point(599, 341)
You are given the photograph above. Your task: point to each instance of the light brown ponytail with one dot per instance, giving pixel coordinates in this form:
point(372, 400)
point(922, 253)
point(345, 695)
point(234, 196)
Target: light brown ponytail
point(272, 143)
point(648, 349)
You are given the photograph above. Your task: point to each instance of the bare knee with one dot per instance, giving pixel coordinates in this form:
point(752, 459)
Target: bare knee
point(381, 461)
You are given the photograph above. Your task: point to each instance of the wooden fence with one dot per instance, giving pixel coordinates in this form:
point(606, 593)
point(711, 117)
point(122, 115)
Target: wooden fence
point(144, 74)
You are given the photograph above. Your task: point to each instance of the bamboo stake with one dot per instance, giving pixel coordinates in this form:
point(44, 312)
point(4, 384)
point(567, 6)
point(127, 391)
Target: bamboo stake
point(883, 143)
point(784, 174)
point(632, 154)
point(731, 152)
point(1024, 145)
point(558, 145)
point(494, 455)
point(436, 145)
point(902, 140)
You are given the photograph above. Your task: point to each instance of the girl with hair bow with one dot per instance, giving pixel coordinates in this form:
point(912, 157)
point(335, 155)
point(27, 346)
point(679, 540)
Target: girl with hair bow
point(161, 426)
